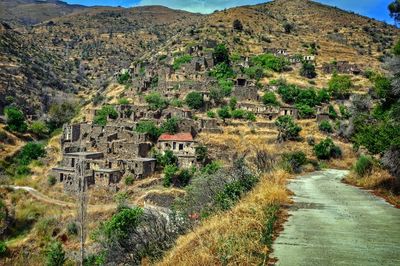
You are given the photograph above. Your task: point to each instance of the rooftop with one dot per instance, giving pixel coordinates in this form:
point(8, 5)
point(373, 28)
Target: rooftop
point(176, 137)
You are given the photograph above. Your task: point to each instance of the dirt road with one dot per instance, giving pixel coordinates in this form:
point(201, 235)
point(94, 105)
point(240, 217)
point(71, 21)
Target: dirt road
point(332, 223)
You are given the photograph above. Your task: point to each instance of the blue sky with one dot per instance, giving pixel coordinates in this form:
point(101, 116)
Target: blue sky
point(371, 8)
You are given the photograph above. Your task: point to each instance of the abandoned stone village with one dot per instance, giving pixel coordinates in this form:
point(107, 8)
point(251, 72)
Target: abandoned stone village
point(116, 150)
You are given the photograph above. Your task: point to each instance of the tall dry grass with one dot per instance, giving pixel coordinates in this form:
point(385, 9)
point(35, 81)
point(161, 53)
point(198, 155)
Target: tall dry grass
point(235, 236)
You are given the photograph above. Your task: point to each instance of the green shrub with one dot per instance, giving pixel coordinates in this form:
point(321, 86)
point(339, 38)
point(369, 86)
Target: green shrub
point(211, 168)
point(305, 111)
point(363, 165)
point(221, 54)
point(233, 103)
point(170, 172)
point(171, 125)
point(340, 86)
point(323, 96)
point(308, 70)
point(168, 158)
point(122, 222)
point(325, 126)
point(211, 114)
point(224, 113)
point(156, 102)
point(179, 61)
point(222, 72)
point(72, 228)
point(201, 152)
point(194, 100)
point(332, 112)
point(269, 98)
point(15, 119)
point(270, 62)
point(123, 101)
point(288, 129)
point(3, 248)
point(31, 151)
point(60, 114)
point(101, 117)
point(55, 254)
point(344, 112)
point(124, 78)
point(238, 114)
point(22, 170)
point(176, 103)
point(39, 128)
point(294, 161)
point(129, 180)
point(148, 127)
point(255, 72)
point(289, 93)
point(326, 149)
point(250, 116)
point(51, 180)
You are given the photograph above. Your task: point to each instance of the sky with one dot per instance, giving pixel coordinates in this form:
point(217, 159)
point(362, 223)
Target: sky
point(371, 8)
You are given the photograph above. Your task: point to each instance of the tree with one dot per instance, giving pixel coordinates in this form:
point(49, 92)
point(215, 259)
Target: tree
point(270, 62)
point(269, 98)
point(224, 112)
point(31, 151)
point(237, 25)
point(194, 100)
point(39, 128)
point(340, 85)
point(308, 70)
point(15, 119)
point(326, 149)
point(101, 117)
point(287, 128)
point(221, 54)
point(305, 111)
point(148, 127)
point(61, 113)
point(156, 102)
point(171, 126)
point(55, 255)
point(233, 103)
point(394, 9)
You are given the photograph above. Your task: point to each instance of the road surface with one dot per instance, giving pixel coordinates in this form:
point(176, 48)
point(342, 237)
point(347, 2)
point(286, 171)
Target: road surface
point(332, 223)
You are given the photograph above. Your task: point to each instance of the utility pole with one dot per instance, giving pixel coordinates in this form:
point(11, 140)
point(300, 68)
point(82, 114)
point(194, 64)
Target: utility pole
point(82, 200)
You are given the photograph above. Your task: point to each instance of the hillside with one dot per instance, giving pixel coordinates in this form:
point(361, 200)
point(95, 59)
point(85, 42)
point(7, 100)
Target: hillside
point(29, 12)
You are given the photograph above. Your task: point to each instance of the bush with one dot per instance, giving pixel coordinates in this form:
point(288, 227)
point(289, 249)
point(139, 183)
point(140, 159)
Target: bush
point(101, 117)
point(237, 25)
point(305, 111)
point(55, 255)
point(123, 101)
point(308, 70)
point(326, 149)
point(222, 71)
point(323, 96)
point(211, 168)
point(289, 93)
point(363, 165)
point(224, 113)
point(124, 78)
point(194, 100)
point(238, 114)
point(288, 27)
point(217, 95)
point(40, 129)
point(288, 129)
point(129, 180)
point(344, 112)
point(170, 172)
point(31, 151)
point(201, 152)
point(233, 103)
point(156, 102)
point(51, 180)
point(122, 222)
point(332, 112)
point(270, 61)
point(250, 116)
point(168, 158)
point(171, 126)
point(211, 114)
point(61, 113)
point(294, 161)
point(221, 54)
point(15, 119)
point(3, 248)
point(22, 170)
point(179, 61)
point(148, 127)
point(269, 98)
point(325, 126)
point(340, 85)
point(255, 72)
point(72, 228)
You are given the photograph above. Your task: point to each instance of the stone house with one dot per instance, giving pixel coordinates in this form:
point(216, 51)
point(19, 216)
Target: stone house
point(343, 67)
point(182, 145)
point(245, 90)
point(267, 112)
point(289, 110)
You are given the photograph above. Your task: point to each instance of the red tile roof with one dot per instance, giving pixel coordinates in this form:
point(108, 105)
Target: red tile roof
point(176, 137)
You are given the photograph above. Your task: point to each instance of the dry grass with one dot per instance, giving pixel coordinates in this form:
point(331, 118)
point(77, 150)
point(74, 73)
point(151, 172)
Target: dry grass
point(380, 182)
point(215, 242)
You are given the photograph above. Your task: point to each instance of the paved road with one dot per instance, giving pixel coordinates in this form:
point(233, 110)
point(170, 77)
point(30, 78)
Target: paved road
point(332, 223)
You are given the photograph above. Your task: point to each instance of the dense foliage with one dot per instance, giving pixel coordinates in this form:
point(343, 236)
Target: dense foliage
point(179, 61)
point(308, 70)
point(270, 62)
point(326, 150)
point(106, 112)
point(269, 99)
point(15, 119)
point(156, 101)
point(194, 100)
point(287, 128)
point(340, 86)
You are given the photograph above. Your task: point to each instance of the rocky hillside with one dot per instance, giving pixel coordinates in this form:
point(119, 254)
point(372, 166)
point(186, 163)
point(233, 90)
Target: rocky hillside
point(30, 76)
point(29, 12)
